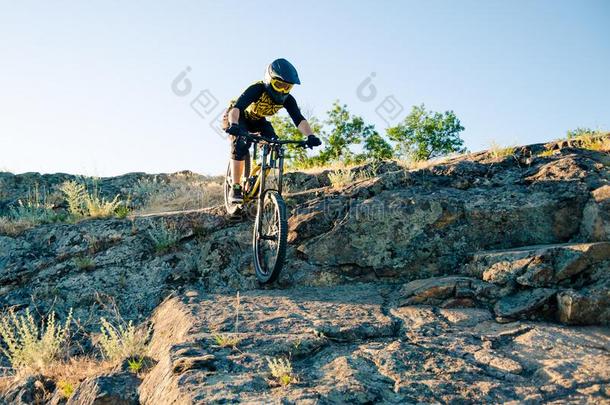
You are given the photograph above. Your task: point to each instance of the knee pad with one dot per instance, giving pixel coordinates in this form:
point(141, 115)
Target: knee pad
point(240, 147)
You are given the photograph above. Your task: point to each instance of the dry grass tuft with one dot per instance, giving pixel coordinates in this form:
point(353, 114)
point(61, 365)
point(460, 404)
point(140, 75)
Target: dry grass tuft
point(341, 177)
point(14, 227)
point(498, 151)
point(69, 374)
point(595, 142)
point(334, 166)
point(179, 193)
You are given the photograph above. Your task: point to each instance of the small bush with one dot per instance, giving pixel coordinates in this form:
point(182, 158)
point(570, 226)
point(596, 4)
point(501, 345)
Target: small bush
point(84, 263)
point(30, 348)
point(498, 151)
point(123, 210)
point(581, 131)
point(546, 153)
point(75, 194)
point(135, 364)
point(99, 207)
point(33, 211)
point(122, 342)
point(225, 340)
point(66, 388)
point(164, 236)
point(281, 371)
point(341, 177)
point(82, 203)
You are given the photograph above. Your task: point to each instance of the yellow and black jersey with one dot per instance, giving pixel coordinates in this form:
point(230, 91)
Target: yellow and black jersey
point(255, 104)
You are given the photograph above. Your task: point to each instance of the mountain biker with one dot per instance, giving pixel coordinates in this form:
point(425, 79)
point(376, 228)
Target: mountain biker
point(263, 99)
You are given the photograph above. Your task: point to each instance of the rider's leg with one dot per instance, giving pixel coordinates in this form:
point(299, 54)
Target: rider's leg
point(239, 152)
point(237, 170)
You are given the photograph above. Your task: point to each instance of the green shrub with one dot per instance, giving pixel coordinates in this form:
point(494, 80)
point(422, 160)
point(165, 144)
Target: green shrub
point(34, 210)
point(164, 236)
point(31, 348)
point(281, 371)
point(84, 263)
point(135, 364)
point(84, 204)
point(75, 194)
point(66, 388)
point(124, 341)
point(582, 131)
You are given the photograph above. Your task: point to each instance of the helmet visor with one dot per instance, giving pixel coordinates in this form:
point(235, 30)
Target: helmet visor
point(281, 86)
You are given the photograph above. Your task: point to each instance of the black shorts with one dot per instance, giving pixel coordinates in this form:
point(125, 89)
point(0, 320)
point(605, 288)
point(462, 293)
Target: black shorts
point(240, 147)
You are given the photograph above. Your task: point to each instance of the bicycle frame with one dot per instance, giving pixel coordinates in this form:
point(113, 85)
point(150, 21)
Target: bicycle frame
point(270, 153)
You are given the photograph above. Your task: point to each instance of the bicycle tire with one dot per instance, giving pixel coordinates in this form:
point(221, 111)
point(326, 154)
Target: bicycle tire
point(268, 261)
point(234, 209)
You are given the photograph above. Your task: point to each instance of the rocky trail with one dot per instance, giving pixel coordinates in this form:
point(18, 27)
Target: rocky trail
point(478, 278)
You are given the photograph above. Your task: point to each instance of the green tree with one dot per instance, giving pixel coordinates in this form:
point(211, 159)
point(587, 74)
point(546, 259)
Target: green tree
point(377, 147)
point(426, 134)
point(347, 130)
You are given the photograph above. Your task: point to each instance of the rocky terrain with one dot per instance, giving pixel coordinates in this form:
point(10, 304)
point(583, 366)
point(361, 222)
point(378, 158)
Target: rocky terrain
point(478, 278)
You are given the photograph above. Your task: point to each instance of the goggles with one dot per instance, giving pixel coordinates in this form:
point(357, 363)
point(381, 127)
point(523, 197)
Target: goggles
point(281, 86)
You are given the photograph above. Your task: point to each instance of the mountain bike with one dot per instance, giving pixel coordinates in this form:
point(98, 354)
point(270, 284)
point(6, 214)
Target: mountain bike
point(270, 224)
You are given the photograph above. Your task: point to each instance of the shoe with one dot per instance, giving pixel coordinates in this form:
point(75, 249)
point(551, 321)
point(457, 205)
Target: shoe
point(235, 194)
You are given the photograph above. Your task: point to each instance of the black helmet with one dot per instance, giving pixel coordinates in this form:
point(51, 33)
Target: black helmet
point(280, 76)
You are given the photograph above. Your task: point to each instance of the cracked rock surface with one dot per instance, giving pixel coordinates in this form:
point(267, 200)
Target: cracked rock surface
point(351, 345)
point(474, 279)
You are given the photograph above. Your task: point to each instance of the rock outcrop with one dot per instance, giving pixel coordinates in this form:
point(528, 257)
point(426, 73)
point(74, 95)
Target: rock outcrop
point(470, 280)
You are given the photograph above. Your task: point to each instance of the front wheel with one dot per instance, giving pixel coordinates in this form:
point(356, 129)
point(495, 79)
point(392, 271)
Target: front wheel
point(270, 237)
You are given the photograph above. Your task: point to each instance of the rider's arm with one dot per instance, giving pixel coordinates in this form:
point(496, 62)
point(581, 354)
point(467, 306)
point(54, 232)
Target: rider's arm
point(250, 95)
point(295, 113)
point(305, 128)
point(233, 116)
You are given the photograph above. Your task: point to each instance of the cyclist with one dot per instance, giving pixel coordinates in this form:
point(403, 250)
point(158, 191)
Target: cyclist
point(263, 99)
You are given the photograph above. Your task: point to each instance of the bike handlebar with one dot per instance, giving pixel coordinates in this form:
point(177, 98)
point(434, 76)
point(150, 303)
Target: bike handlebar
point(259, 138)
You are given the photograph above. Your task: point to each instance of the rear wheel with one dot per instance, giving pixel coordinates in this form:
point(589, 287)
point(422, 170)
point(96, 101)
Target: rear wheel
point(270, 237)
point(234, 209)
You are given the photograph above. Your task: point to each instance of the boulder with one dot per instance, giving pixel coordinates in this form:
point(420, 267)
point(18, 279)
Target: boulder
point(107, 389)
point(440, 291)
point(588, 306)
point(596, 216)
point(34, 389)
point(526, 303)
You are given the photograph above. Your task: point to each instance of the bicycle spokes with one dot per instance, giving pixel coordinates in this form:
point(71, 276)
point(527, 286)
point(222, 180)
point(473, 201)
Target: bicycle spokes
point(270, 237)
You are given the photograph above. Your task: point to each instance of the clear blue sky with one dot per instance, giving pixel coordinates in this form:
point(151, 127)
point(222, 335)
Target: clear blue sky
point(85, 87)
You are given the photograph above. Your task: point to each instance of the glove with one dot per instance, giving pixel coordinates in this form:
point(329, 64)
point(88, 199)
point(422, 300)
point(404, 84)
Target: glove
point(235, 130)
point(312, 141)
